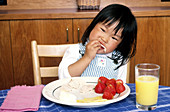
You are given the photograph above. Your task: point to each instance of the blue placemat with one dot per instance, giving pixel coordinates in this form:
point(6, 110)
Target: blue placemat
point(125, 105)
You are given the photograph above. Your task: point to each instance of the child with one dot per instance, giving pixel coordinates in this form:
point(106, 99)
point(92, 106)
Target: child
point(107, 44)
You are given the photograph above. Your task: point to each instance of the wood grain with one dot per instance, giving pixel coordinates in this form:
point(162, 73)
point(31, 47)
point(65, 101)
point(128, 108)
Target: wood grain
point(22, 32)
point(82, 25)
point(39, 4)
point(74, 13)
point(136, 3)
point(167, 52)
point(132, 71)
point(53, 4)
point(54, 32)
point(45, 32)
point(6, 68)
point(151, 45)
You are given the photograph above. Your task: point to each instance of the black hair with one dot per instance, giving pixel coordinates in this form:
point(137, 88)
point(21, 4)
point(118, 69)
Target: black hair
point(113, 13)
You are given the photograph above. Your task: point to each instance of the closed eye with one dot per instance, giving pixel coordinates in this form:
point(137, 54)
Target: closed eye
point(102, 29)
point(114, 38)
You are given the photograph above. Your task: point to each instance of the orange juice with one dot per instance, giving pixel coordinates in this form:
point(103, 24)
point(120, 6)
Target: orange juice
point(147, 90)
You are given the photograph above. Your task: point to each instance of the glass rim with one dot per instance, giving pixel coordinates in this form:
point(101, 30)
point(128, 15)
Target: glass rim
point(157, 67)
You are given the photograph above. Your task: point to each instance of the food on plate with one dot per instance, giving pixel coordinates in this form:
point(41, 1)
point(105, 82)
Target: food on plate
point(67, 97)
point(72, 85)
point(119, 81)
point(78, 90)
point(99, 88)
point(91, 100)
point(86, 88)
point(66, 87)
point(103, 79)
point(76, 84)
point(120, 88)
point(112, 82)
point(109, 87)
point(107, 95)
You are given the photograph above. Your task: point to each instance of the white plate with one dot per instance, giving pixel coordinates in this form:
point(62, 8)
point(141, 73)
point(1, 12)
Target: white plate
point(50, 89)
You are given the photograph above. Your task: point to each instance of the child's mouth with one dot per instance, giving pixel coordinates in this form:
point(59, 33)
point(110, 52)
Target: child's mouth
point(103, 47)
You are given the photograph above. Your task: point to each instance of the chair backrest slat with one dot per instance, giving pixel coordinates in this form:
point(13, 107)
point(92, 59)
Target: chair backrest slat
point(46, 51)
point(49, 71)
point(52, 50)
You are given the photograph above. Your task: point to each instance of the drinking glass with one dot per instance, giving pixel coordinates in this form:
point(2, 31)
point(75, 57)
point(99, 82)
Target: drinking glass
point(147, 84)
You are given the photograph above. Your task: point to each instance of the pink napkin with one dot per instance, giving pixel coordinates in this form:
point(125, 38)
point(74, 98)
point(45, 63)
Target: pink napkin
point(22, 98)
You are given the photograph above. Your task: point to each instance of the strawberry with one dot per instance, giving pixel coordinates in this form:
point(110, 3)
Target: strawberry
point(110, 88)
point(119, 81)
point(99, 88)
point(107, 95)
point(112, 82)
point(103, 79)
point(120, 88)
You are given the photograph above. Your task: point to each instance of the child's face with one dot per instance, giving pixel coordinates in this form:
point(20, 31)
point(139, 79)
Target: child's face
point(106, 36)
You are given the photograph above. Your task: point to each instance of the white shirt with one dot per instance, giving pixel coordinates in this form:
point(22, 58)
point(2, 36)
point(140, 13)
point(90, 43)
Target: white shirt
point(72, 55)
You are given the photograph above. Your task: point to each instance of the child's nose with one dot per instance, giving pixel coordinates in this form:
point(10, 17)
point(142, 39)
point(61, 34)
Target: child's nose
point(104, 39)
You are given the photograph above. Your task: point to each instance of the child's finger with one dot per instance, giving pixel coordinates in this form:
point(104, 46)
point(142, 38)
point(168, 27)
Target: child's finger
point(94, 42)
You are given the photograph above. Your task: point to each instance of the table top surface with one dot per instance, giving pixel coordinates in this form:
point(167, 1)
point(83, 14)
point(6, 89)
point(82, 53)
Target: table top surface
point(125, 105)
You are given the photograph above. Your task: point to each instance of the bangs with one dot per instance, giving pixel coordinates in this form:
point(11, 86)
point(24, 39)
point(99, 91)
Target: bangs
point(110, 21)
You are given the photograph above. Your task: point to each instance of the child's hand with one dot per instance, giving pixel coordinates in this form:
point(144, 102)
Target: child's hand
point(91, 49)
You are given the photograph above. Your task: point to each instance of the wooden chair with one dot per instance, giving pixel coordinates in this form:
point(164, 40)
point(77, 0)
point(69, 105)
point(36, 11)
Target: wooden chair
point(128, 72)
point(51, 51)
point(45, 51)
point(124, 70)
